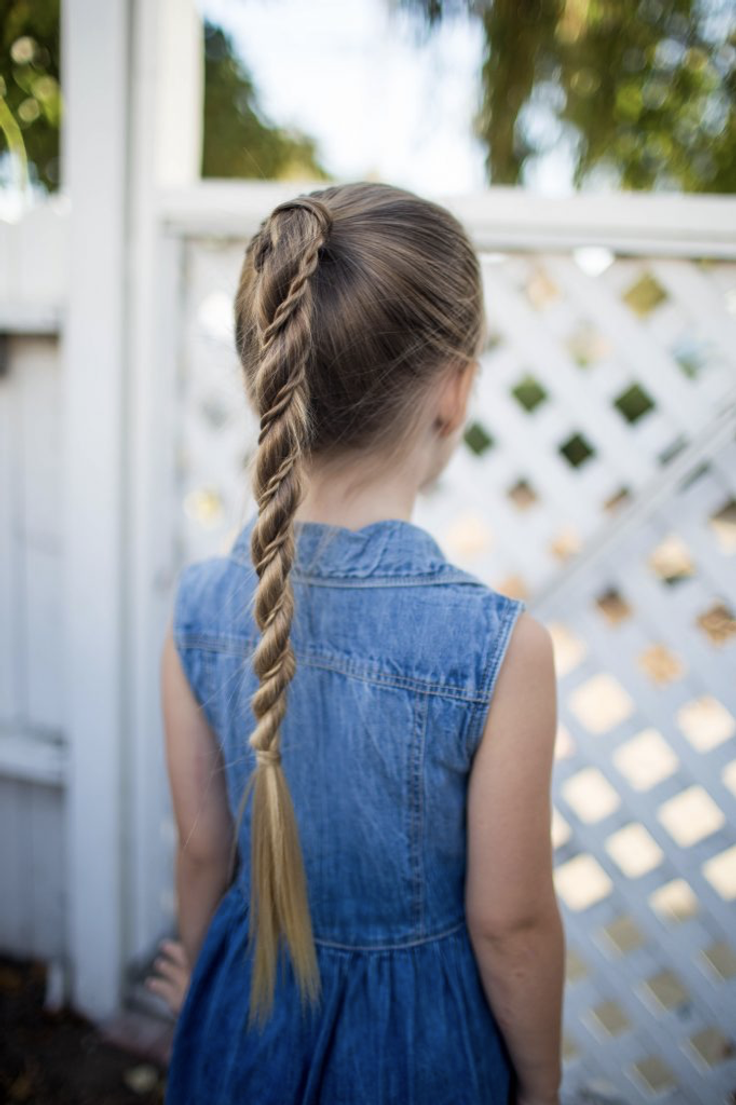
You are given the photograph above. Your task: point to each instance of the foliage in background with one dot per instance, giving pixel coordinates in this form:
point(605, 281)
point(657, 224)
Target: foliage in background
point(30, 96)
point(645, 88)
point(238, 141)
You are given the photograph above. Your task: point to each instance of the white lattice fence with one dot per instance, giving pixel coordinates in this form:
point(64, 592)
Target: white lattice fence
point(591, 384)
point(645, 798)
point(598, 481)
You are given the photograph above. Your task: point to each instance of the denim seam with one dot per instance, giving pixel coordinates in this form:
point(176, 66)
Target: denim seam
point(441, 576)
point(493, 661)
point(412, 807)
point(209, 696)
point(390, 947)
point(363, 582)
point(443, 690)
point(199, 677)
point(395, 946)
point(415, 756)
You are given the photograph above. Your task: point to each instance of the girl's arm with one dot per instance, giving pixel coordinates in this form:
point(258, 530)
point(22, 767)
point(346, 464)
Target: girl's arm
point(199, 890)
point(199, 797)
point(511, 907)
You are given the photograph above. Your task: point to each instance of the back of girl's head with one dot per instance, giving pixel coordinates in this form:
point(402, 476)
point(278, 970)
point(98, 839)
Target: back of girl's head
point(393, 294)
point(353, 301)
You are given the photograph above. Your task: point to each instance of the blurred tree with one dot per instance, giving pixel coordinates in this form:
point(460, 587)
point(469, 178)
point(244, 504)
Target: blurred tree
point(238, 142)
point(645, 88)
point(30, 97)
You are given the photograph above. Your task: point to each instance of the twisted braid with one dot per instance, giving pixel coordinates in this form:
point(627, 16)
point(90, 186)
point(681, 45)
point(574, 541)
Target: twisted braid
point(279, 902)
point(401, 306)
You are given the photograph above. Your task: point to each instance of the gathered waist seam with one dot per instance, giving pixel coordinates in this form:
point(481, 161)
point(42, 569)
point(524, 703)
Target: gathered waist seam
point(395, 946)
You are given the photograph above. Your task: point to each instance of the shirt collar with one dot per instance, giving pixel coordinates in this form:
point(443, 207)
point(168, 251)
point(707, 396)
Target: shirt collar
point(388, 547)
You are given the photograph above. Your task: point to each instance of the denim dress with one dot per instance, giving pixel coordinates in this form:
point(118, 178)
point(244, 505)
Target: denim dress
point(397, 655)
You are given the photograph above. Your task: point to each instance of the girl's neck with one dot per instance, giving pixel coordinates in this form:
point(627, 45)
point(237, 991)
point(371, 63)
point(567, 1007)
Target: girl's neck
point(348, 497)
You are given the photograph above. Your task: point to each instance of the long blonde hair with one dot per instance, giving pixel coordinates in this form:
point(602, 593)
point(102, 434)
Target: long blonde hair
point(351, 300)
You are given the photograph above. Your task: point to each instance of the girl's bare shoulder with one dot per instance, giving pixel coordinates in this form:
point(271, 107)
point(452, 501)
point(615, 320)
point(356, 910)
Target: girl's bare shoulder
point(525, 688)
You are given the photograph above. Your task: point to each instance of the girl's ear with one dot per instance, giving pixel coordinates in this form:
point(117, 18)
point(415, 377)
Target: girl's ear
point(453, 401)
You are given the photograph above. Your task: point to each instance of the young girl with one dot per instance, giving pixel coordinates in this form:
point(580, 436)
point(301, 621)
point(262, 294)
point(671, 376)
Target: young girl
point(390, 934)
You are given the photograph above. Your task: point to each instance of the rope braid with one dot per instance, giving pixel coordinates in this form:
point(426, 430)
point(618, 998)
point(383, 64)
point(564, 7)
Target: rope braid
point(278, 900)
point(400, 307)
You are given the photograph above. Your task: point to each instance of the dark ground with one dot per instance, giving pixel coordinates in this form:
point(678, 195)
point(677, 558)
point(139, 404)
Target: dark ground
point(59, 1058)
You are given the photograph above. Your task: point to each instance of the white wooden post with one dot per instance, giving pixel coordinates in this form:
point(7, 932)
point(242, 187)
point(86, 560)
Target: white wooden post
point(133, 78)
point(166, 137)
point(94, 157)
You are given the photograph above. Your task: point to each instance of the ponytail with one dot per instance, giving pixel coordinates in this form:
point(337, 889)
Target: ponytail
point(279, 904)
point(349, 309)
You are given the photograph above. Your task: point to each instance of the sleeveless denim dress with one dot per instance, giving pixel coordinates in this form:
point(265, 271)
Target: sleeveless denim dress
point(397, 655)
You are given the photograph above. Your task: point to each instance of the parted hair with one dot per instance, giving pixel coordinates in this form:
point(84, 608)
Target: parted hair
point(351, 301)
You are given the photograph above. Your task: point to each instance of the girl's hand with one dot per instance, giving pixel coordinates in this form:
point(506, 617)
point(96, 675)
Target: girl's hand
point(172, 980)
